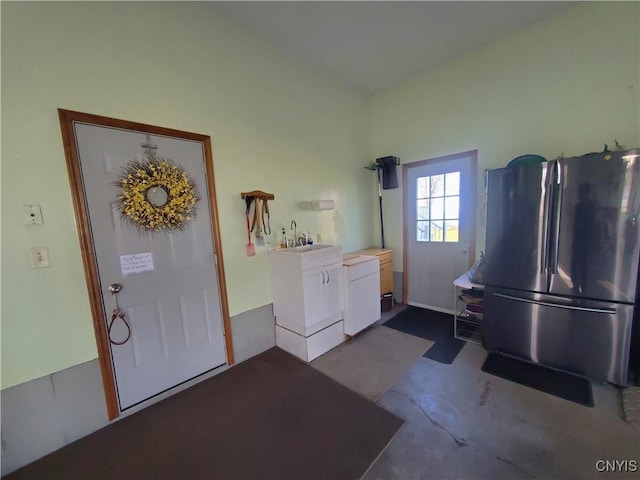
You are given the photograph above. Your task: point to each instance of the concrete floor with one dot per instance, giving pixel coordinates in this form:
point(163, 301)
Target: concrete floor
point(463, 423)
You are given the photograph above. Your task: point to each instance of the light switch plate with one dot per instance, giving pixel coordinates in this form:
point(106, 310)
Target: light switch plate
point(39, 257)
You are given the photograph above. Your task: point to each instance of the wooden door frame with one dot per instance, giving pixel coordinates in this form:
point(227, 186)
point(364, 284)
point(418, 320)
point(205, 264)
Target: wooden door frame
point(67, 120)
point(473, 154)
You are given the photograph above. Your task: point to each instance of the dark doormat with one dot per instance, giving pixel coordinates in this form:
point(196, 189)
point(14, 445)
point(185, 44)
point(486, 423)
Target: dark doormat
point(445, 350)
point(270, 417)
point(564, 385)
point(434, 326)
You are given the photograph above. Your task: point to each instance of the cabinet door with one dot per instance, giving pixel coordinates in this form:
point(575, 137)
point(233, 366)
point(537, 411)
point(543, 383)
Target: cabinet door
point(312, 285)
point(386, 278)
point(363, 306)
point(323, 297)
point(332, 293)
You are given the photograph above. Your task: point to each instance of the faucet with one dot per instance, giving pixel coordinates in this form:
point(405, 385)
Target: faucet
point(294, 227)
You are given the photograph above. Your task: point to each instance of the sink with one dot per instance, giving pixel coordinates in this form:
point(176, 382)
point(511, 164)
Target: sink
point(293, 260)
point(303, 248)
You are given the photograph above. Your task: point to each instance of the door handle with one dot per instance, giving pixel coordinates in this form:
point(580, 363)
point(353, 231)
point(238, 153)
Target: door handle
point(609, 311)
point(557, 201)
point(328, 277)
point(115, 288)
point(547, 190)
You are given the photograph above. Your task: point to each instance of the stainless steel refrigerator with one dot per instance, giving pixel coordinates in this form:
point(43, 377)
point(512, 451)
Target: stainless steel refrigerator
point(562, 262)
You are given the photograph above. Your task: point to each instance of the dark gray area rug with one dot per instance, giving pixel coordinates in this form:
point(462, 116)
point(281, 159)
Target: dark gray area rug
point(271, 417)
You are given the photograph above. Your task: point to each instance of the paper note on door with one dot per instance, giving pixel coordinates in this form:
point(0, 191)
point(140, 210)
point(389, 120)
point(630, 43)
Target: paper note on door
point(136, 263)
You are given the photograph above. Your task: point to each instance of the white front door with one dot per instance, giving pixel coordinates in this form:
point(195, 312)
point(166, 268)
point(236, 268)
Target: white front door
point(174, 307)
point(439, 202)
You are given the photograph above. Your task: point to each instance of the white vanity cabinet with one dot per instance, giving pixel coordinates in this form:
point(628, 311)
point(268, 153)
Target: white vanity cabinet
point(308, 299)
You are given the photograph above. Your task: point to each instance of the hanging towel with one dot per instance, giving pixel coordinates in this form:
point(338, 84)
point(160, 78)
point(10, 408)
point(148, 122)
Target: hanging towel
point(389, 175)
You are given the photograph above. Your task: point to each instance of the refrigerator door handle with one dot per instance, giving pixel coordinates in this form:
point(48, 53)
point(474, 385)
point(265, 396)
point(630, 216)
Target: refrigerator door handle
point(557, 202)
point(609, 311)
point(547, 189)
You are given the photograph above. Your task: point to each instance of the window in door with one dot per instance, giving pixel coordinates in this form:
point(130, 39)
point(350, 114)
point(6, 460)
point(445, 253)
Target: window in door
point(438, 208)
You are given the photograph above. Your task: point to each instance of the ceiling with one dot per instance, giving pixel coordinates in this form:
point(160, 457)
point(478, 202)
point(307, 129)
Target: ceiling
point(375, 44)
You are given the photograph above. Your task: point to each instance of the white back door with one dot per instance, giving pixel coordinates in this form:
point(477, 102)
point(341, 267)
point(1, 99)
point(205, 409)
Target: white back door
point(174, 307)
point(438, 198)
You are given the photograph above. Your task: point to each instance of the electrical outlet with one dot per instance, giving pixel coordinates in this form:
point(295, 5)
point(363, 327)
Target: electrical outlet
point(33, 215)
point(39, 257)
point(318, 238)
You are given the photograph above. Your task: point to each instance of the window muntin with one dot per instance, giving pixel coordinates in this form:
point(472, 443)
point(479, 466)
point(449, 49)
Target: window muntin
point(438, 208)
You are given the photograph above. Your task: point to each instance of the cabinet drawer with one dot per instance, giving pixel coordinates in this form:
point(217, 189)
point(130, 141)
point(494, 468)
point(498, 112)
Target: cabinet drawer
point(386, 257)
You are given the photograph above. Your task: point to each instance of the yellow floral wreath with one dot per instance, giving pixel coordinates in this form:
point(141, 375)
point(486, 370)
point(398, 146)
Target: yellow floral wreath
point(156, 195)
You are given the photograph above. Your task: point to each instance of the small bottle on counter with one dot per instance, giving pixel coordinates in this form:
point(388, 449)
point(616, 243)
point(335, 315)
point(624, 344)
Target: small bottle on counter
point(309, 239)
point(285, 242)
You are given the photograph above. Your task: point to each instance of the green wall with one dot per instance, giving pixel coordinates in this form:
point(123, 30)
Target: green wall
point(567, 85)
point(564, 85)
point(275, 125)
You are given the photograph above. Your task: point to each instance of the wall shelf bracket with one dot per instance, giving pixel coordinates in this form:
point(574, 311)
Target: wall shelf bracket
point(258, 194)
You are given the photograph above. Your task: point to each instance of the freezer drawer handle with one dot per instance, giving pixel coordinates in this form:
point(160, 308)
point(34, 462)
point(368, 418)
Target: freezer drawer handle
point(609, 311)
